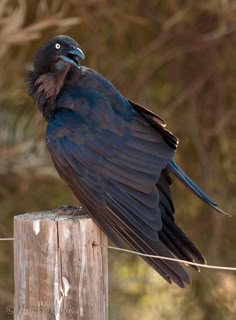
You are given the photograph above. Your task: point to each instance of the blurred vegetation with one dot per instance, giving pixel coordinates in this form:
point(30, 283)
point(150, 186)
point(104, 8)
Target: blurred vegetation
point(176, 57)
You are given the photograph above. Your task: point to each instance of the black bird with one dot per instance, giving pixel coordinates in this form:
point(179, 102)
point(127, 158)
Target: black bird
point(114, 154)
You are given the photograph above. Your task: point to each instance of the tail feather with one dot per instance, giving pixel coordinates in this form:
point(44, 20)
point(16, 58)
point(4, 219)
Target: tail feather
point(169, 270)
point(180, 253)
point(172, 166)
point(184, 248)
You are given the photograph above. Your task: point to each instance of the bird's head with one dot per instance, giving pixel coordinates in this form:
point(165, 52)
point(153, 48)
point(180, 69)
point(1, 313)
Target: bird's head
point(57, 54)
point(52, 62)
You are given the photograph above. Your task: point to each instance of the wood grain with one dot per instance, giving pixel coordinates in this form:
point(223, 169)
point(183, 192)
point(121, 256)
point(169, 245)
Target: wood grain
point(59, 274)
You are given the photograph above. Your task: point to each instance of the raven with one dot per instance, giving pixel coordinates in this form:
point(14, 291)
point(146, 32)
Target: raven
point(114, 154)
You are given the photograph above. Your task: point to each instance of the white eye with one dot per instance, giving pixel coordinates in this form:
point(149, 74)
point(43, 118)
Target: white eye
point(57, 46)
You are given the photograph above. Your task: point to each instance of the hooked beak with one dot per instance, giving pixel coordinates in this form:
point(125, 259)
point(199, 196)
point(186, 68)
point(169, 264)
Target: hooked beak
point(73, 57)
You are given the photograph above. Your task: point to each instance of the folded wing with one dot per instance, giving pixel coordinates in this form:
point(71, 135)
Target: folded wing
point(113, 170)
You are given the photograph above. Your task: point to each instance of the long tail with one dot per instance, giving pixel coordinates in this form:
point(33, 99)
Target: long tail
point(172, 166)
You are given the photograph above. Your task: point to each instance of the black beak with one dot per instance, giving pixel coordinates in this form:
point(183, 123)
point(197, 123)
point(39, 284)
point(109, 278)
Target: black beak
point(73, 56)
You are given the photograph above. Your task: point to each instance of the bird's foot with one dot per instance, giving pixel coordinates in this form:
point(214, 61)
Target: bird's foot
point(70, 210)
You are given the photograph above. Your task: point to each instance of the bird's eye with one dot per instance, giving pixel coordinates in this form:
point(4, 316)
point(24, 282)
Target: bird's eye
point(57, 46)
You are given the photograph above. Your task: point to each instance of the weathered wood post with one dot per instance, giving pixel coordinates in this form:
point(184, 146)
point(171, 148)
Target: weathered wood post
point(59, 274)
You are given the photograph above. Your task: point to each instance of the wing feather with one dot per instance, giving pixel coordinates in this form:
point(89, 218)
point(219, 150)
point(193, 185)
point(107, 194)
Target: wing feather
point(113, 170)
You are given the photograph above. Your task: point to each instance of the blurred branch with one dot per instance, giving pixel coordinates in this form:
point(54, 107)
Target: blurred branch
point(12, 23)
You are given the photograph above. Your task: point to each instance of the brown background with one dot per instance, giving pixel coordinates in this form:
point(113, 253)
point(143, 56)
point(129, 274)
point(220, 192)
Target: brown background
point(178, 58)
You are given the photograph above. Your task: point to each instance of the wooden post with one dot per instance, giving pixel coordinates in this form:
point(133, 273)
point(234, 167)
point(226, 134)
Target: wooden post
point(59, 274)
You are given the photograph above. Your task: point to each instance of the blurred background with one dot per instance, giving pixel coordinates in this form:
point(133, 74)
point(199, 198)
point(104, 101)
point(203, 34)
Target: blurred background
point(179, 59)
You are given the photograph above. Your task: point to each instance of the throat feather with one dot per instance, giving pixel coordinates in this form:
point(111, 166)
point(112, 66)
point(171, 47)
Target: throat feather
point(44, 89)
point(48, 86)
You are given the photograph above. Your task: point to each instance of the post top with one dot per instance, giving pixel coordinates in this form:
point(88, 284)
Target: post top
point(50, 215)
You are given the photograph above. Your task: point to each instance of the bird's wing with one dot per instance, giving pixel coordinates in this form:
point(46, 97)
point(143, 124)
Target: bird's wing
point(157, 123)
point(171, 235)
point(125, 157)
point(172, 141)
point(112, 166)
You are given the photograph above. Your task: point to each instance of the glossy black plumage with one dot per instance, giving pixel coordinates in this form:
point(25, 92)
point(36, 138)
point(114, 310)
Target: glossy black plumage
point(115, 155)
